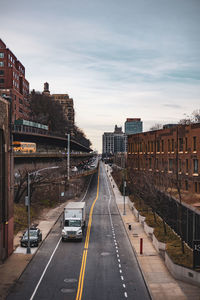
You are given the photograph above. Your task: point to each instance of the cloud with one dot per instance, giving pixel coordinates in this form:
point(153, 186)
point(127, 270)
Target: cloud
point(116, 61)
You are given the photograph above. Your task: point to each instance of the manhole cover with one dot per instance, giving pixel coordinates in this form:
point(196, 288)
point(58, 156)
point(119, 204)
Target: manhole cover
point(70, 280)
point(105, 253)
point(67, 290)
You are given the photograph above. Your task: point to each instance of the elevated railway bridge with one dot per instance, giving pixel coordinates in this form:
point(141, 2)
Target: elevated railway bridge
point(51, 149)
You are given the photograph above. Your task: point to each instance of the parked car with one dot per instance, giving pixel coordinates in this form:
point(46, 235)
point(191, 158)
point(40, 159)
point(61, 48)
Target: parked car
point(74, 169)
point(35, 237)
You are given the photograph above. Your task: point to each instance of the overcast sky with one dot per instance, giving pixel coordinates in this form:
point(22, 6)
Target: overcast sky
point(117, 59)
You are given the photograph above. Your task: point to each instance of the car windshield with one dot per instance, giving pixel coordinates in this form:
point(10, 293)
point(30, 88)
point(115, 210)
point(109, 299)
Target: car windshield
point(73, 223)
point(31, 233)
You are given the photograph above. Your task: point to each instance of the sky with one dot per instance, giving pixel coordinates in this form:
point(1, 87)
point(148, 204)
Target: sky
point(117, 59)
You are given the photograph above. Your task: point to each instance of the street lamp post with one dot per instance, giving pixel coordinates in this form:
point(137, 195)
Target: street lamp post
point(28, 201)
point(124, 190)
point(124, 183)
point(68, 155)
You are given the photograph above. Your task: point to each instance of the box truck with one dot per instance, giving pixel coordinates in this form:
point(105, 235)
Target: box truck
point(73, 221)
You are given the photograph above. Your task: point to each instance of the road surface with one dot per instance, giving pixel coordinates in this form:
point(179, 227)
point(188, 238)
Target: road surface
point(102, 267)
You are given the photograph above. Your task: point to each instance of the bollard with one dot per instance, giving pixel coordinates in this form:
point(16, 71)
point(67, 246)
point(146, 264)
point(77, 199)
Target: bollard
point(129, 226)
point(113, 186)
point(141, 246)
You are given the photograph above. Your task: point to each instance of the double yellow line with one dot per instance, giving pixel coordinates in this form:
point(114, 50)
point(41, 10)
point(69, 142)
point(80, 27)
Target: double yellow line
point(85, 251)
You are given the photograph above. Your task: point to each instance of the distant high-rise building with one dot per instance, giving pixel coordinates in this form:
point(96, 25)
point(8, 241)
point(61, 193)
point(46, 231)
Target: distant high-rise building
point(133, 125)
point(114, 142)
point(13, 83)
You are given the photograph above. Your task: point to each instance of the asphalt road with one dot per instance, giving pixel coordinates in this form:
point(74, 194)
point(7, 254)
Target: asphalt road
point(102, 266)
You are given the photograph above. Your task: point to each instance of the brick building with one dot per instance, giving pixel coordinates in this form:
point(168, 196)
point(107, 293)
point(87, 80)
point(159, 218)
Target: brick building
point(6, 192)
point(173, 151)
point(13, 82)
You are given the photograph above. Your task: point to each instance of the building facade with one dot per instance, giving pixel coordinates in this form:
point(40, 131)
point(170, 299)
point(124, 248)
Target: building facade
point(13, 83)
point(113, 142)
point(66, 102)
point(133, 125)
point(67, 105)
point(172, 152)
point(6, 190)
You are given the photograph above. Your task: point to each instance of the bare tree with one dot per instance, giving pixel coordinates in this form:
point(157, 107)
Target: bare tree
point(156, 126)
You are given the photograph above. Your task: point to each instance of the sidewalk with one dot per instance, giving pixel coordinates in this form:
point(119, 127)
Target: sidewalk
point(161, 284)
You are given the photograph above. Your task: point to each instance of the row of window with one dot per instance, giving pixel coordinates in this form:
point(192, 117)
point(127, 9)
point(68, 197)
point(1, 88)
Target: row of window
point(183, 165)
point(159, 145)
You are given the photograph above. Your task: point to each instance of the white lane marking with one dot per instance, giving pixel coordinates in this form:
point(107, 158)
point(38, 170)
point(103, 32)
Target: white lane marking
point(45, 270)
point(87, 188)
point(122, 278)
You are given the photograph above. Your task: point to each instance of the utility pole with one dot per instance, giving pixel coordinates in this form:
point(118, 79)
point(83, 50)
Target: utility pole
point(28, 200)
point(68, 155)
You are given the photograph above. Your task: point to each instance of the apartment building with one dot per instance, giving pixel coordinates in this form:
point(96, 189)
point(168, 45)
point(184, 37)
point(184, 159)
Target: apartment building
point(133, 125)
point(174, 150)
point(6, 192)
point(66, 102)
point(113, 142)
point(13, 83)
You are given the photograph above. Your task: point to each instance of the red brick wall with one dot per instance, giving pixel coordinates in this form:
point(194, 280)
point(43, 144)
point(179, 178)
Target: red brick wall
point(144, 153)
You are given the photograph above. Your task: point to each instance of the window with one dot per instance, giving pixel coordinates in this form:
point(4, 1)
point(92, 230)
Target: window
point(1, 64)
point(157, 165)
point(162, 145)
point(195, 187)
point(158, 146)
point(1, 72)
point(172, 145)
point(163, 163)
point(180, 144)
point(152, 146)
point(186, 165)
point(150, 163)
point(195, 166)
point(1, 55)
point(186, 144)
point(194, 143)
point(148, 147)
point(168, 145)
point(170, 164)
point(179, 165)
point(186, 185)
point(1, 80)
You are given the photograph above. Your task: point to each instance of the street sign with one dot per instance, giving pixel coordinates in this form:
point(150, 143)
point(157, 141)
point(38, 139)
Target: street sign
point(196, 254)
point(26, 200)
